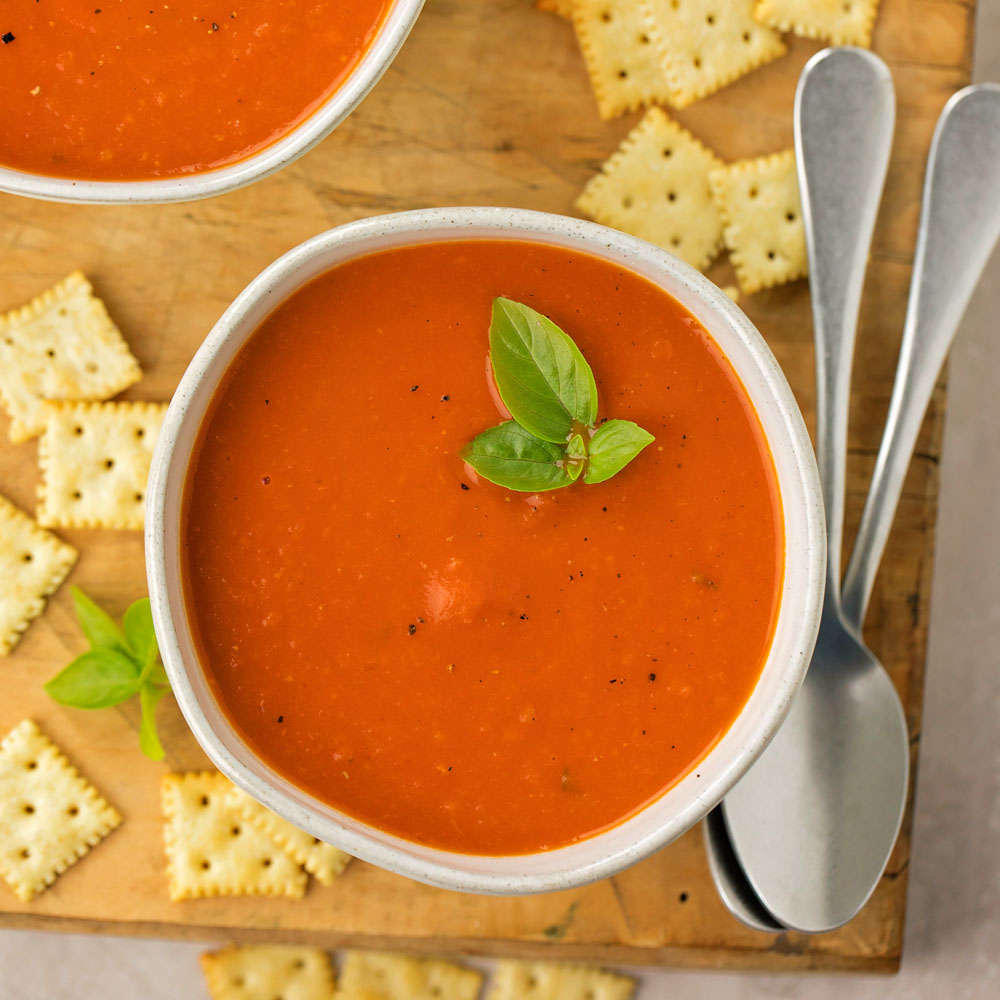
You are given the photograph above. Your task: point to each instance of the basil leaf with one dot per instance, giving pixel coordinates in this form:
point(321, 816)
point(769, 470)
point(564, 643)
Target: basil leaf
point(149, 740)
point(612, 447)
point(510, 456)
point(98, 626)
point(542, 377)
point(576, 457)
point(139, 634)
point(97, 679)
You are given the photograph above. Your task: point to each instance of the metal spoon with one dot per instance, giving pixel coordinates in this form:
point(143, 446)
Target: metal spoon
point(960, 224)
point(785, 819)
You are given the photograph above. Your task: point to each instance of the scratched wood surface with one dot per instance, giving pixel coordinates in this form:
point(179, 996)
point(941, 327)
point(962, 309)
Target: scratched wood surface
point(487, 104)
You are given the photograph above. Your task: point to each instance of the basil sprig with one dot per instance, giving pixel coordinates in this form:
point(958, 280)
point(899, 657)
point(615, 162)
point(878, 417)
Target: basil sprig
point(121, 663)
point(550, 391)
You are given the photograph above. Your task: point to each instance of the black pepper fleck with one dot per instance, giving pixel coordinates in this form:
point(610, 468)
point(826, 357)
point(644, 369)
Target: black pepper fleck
point(413, 388)
point(281, 718)
point(412, 629)
point(444, 399)
point(266, 480)
point(7, 37)
point(465, 486)
point(652, 677)
point(215, 27)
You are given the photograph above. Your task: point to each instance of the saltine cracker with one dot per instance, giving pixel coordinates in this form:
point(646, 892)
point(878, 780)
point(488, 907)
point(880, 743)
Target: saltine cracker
point(33, 563)
point(762, 216)
point(61, 345)
point(50, 816)
point(213, 851)
point(656, 187)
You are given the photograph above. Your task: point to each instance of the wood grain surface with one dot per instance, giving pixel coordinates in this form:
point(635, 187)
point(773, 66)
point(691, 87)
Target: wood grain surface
point(488, 103)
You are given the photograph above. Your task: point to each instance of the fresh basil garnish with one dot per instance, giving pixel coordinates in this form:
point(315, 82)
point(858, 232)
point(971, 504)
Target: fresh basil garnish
point(515, 458)
point(550, 391)
point(119, 666)
point(542, 377)
point(612, 447)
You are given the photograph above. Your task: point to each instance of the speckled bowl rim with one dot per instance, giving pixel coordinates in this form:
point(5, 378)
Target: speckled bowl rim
point(191, 187)
point(694, 795)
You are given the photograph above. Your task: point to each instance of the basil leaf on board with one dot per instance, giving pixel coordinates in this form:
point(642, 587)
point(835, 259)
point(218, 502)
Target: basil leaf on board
point(511, 456)
point(149, 740)
point(98, 626)
point(542, 377)
point(97, 679)
point(139, 634)
point(612, 447)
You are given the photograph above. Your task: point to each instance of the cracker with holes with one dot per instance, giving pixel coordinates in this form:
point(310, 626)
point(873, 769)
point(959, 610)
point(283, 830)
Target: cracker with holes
point(656, 187)
point(213, 851)
point(50, 816)
point(263, 973)
point(627, 70)
point(61, 345)
point(94, 460)
point(323, 861)
point(378, 976)
point(33, 562)
point(841, 22)
point(707, 44)
point(762, 220)
point(544, 981)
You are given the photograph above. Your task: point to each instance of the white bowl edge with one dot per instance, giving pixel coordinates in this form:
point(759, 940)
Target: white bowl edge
point(798, 621)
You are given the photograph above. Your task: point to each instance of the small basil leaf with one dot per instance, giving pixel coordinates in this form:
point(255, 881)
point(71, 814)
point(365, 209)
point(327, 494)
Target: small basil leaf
point(138, 624)
point(510, 456)
point(98, 626)
point(612, 447)
point(149, 740)
point(97, 679)
point(576, 456)
point(542, 377)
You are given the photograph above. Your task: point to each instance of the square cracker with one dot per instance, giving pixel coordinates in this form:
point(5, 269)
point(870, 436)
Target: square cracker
point(837, 21)
point(213, 851)
point(379, 976)
point(321, 860)
point(49, 815)
point(627, 69)
point(33, 562)
point(762, 216)
point(656, 187)
point(61, 345)
point(708, 44)
point(262, 973)
point(543, 981)
point(94, 460)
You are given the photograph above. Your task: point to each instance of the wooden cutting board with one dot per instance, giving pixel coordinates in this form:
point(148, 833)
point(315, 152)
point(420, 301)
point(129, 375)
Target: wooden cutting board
point(487, 104)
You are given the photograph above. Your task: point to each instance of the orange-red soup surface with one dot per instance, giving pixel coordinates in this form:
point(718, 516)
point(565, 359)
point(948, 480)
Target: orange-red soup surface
point(465, 666)
point(121, 90)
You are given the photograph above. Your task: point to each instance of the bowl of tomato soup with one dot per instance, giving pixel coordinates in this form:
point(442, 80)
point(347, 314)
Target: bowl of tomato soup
point(115, 103)
point(480, 688)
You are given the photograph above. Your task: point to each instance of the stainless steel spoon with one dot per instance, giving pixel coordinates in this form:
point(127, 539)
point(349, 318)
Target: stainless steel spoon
point(960, 223)
point(784, 817)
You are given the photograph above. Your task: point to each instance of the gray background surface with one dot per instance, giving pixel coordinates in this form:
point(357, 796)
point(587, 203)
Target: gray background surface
point(952, 946)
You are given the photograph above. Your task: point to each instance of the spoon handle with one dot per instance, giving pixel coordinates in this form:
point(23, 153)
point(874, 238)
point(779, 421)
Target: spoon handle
point(959, 225)
point(844, 114)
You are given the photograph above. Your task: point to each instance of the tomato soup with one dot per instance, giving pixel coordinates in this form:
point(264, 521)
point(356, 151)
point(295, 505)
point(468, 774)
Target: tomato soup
point(119, 90)
point(469, 667)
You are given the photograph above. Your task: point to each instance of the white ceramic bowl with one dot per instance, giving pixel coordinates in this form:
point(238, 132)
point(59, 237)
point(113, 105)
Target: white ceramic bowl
point(691, 798)
point(190, 187)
